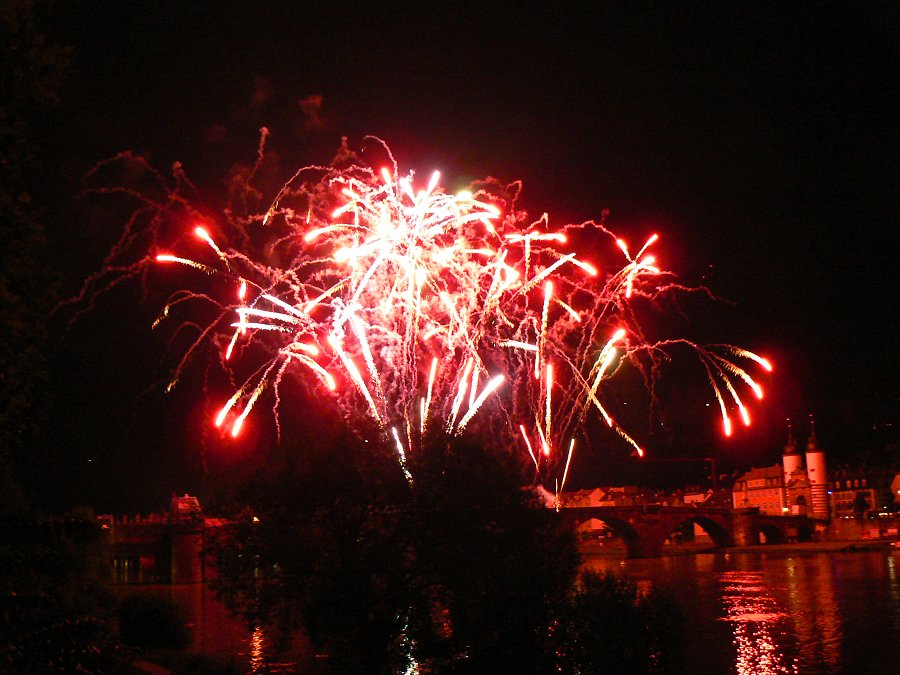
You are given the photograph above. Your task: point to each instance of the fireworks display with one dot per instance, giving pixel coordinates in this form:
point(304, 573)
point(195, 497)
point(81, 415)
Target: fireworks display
point(421, 310)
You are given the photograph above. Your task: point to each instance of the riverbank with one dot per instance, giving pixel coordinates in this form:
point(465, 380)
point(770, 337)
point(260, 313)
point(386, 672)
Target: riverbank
point(845, 546)
point(817, 547)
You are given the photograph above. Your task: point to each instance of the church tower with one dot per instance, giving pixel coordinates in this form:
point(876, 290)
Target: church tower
point(818, 476)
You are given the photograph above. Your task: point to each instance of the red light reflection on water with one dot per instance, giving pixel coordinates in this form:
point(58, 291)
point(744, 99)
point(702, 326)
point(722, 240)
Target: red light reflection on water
point(816, 614)
point(257, 651)
point(757, 622)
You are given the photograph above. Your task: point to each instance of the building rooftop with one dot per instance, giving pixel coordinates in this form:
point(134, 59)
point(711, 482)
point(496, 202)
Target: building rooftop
point(774, 471)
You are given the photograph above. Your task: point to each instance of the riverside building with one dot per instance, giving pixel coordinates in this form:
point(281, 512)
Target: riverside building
point(795, 487)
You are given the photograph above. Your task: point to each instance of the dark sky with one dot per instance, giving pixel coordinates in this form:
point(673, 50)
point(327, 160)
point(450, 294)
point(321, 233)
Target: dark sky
point(760, 142)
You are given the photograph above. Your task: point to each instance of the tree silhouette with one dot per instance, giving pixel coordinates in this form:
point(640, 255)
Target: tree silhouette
point(861, 505)
point(319, 547)
point(462, 568)
point(31, 71)
point(492, 564)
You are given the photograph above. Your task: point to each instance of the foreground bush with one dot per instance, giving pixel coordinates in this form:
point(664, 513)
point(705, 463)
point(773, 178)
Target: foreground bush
point(152, 623)
point(610, 627)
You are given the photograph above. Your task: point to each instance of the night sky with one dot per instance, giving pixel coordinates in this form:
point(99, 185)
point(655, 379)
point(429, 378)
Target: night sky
point(760, 143)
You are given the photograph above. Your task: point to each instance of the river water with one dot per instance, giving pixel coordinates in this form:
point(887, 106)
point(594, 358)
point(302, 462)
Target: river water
point(745, 613)
point(767, 614)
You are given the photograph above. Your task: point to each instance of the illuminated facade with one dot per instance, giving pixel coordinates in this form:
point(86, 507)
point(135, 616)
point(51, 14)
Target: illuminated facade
point(764, 488)
point(794, 487)
point(864, 493)
point(852, 495)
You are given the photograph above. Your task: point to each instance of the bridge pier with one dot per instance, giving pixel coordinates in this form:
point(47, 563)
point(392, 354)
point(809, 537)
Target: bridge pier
point(650, 534)
point(186, 562)
point(745, 525)
point(644, 547)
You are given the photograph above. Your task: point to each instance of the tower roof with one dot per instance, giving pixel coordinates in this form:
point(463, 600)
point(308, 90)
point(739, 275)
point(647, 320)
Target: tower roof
point(790, 448)
point(812, 444)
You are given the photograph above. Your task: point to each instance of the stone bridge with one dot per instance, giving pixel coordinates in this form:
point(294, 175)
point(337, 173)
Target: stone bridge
point(645, 528)
point(156, 551)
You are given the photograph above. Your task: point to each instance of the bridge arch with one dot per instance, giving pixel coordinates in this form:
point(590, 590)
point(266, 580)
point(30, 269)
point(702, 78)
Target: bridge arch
point(771, 534)
point(645, 528)
point(620, 527)
point(717, 532)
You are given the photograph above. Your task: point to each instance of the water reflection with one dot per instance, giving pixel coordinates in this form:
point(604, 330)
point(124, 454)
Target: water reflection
point(216, 633)
point(757, 622)
point(894, 586)
point(809, 613)
point(815, 612)
point(746, 613)
point(257, 653)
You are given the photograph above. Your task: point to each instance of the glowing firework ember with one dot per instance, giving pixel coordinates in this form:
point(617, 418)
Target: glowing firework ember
point(426, 310)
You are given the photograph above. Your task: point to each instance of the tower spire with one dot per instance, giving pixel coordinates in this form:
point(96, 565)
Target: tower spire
point(812, 444)
point(790, 447)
